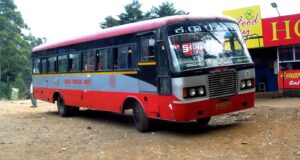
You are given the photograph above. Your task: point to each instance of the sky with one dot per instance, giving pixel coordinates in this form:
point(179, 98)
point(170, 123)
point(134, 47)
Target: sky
point(58, 20)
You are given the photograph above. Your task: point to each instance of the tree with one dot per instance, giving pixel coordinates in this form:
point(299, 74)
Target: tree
point(11, 24)
point(109, 22)
point(165, 9)
point(15, 48)
point(133, 13)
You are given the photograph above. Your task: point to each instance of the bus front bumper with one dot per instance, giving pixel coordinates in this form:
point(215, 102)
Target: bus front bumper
point(207, 108)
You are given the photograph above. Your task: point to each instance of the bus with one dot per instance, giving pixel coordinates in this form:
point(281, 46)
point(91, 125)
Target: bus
point(177, 68)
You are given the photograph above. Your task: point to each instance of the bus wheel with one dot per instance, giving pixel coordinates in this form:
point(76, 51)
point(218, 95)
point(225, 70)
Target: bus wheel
point(63, 110)
point(203, 122)
point(141, 121)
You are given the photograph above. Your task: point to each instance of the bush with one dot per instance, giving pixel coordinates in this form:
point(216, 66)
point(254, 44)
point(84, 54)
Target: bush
point(20, 84)
point(4, 91)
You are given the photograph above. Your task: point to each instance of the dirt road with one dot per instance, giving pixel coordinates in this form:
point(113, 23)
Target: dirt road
point(271, 130)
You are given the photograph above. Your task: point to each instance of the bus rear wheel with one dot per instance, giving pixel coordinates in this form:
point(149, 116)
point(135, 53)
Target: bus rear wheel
point(63, 110)
point(203, 122)
point(141, 121)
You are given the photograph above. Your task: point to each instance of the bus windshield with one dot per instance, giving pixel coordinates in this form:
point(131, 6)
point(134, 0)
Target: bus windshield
point(197, 45)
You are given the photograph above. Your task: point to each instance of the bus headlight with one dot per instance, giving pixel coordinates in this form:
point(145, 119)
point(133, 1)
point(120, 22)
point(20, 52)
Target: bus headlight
point(249, 83)
point(192, 92)
point(201, 91)
point(243, 84)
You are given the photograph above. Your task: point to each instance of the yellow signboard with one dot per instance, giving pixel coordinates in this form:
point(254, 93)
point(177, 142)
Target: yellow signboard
point(249, 21)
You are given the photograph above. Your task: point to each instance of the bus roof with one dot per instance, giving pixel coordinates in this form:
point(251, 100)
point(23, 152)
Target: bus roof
point(126, 29)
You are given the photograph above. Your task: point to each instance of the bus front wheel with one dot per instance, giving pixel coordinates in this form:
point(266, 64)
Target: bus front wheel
point(141, 121)
point(63, 110)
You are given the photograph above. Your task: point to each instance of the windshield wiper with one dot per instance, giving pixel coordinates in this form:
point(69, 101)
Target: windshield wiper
point(210, 33)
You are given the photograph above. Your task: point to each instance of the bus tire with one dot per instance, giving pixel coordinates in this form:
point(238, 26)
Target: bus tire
point(63, 110)
point(203, 122)
point(141, 121)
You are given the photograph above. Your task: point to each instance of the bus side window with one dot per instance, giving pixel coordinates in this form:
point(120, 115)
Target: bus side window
point(100, 59)
point(132, 57)
point(122, 57)
point(74, 62)
point(126, 57)
point(146, 50)
point(44, 65)
point(63, 63)
point(36, 66)
point(104, 59)
point(88, 60)
point(115, 58)
point(52, 64)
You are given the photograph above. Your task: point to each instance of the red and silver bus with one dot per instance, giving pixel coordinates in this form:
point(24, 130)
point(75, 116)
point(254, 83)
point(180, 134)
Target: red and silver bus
point(178, 68)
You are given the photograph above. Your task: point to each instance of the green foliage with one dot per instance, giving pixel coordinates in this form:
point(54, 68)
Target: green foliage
point(15, 49)
point(109, 22)
point(165, 9)
point(4, 91)
point(133, 13)
point(21, 85)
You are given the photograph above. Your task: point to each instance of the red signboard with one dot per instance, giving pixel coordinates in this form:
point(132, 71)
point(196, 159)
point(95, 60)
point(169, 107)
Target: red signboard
point(283, 30)
point(289, 79)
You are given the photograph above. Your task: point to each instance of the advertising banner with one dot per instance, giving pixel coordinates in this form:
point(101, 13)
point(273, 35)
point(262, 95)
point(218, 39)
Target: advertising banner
point(283, 30)
point(249, 21)
point(289, 79)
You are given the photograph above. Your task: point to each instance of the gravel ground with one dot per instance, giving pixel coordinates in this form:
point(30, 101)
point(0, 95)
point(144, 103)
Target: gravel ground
point(271, 130)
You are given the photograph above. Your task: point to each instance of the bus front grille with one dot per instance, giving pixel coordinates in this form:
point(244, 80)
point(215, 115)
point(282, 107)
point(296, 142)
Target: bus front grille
point(222, 84)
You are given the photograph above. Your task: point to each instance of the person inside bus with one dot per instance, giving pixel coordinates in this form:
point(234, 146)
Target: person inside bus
point(100, 64)
point(85, 68)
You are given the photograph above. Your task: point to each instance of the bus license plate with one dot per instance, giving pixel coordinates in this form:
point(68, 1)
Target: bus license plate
point(223, 105)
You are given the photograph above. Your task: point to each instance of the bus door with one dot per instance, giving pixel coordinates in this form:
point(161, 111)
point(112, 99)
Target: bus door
point(44, 80)
point(88, 90)
point(163, 80)
point(87, 95)
point(147, 72)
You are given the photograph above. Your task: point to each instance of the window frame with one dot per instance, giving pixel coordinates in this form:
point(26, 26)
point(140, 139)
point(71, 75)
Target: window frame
point(294, 54)
point(55, 64)
point(44, 67)
point(82, 60)
point(38, 67)
point(120, 57)
point(139, 49)
point(69, 62)
point(297, 53)
point(109, 55)
point(58, 64)
point(63, 59)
